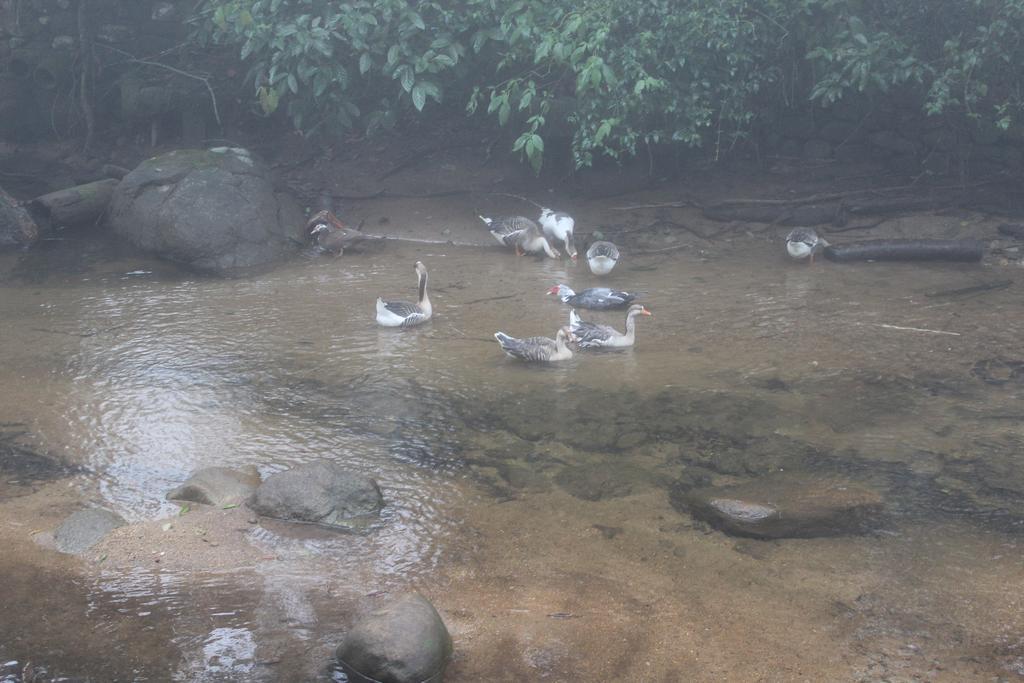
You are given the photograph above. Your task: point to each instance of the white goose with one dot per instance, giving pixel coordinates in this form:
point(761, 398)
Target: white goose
point(537, 349)
point(594, 336)
point(519, 232)
point(602, 257)
point(558, 227)
point(404, 314)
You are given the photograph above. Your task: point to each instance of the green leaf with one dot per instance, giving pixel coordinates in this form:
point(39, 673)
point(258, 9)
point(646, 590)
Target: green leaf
point(293, 84)
point(503, 112)
point(392, 55)
point(408, 77)
point(365, 62)
point(417, 21)
point(419, 97)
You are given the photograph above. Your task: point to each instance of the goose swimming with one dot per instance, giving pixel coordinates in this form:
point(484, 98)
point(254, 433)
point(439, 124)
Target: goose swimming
point(403, 314)
point(593, 336)
point(519, 232)
point(537, 349)
point(599, 298)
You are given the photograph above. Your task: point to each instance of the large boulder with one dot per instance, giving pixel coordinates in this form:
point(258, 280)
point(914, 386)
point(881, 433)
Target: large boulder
point(404, 641)
point(784, 505)
point(218, 486)
point(16, 226)
point(320, 492)
point(84, 529)
point(213, 210)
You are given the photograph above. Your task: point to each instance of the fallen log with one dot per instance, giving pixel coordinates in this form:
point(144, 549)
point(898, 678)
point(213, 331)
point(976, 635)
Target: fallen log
point(906, 250)
point(74, 205)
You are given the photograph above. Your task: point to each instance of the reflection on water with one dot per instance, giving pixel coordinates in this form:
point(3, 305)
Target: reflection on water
point(752, 365)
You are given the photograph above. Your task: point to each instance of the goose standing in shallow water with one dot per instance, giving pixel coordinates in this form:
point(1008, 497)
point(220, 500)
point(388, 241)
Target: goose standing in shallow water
point(403, 314)
point(330, 235)
point(599, 298)
point(594, 336)
point(602, 257)
point(519, 232)
point(537, 349)
point(804, 242)
point(558, 227)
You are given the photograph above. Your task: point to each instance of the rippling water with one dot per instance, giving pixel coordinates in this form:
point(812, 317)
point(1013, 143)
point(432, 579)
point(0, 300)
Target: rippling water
point(141, 374)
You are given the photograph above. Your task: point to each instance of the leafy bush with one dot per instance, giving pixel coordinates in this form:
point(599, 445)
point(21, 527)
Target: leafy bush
point(619, 78)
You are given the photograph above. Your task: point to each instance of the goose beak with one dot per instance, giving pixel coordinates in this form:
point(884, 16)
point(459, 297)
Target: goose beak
point(646, 312)
point(553, 290)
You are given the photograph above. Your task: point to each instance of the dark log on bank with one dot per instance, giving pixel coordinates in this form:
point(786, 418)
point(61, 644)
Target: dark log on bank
point(74, 205)
point(906, 250)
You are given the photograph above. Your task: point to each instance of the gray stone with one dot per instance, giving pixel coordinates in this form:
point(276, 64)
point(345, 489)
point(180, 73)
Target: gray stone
point(784, 505)
point(16, 227)
point(218, 486)
point(320, 492)
point(405, 641)
point(84, 529)
point(600, 481)
point(212, 210)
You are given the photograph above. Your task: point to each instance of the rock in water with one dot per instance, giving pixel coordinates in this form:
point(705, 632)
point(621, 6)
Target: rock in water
point(84, 529)
point(785, 505)
point(218, 486)
point(405, 641)
point(321, 492)
point(212, 210)
point(16, 226)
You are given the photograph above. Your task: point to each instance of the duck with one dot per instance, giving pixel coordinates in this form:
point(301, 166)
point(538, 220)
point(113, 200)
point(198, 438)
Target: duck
point(537, 349)
point(330, 235)
point(558, 227)
point(594, 336)
point(519, 232)
point(602, 257)
point(403, 314)
point(802, 243)
point(598, 298)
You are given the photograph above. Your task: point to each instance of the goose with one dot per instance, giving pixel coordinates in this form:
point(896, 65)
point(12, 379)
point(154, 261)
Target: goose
point(594, 336)
point(330, 234)
point(519, 232)
point(403, 314)
point(537, 349)
point(602, 257)
point(599, 298)
point(804, 242)
point(558, 227)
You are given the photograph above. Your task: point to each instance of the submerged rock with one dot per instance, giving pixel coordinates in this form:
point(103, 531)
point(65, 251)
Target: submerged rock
point(784, 505)
point(320, 492)
point(218, 486)
point(84, 529)
point(405, 641)
point(213, 210)
point(600, 481)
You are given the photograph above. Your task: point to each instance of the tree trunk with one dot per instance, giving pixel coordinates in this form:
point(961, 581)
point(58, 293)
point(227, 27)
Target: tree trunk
point(74, 205)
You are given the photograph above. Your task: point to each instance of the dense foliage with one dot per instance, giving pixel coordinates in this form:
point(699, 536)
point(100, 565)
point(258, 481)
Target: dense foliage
point(617, 77)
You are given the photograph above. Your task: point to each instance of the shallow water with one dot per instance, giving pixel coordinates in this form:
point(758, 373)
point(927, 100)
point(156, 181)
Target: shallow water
point(533, 492)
